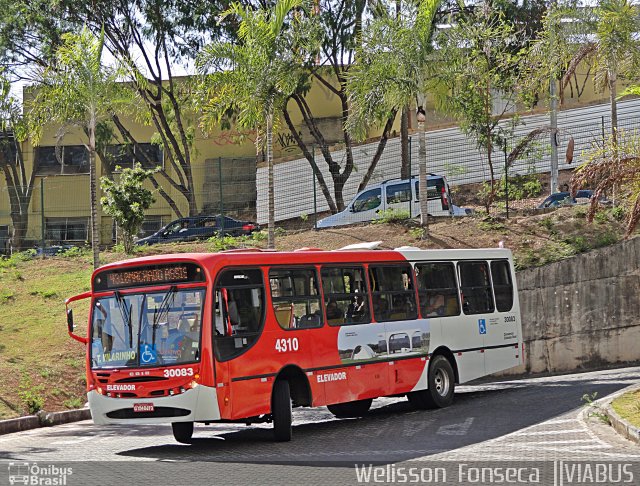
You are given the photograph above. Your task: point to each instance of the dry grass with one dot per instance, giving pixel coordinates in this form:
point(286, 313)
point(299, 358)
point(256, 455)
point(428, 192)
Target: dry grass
point(628, 407)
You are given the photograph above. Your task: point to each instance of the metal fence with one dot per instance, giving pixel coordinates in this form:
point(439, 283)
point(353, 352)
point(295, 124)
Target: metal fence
point(453, 154)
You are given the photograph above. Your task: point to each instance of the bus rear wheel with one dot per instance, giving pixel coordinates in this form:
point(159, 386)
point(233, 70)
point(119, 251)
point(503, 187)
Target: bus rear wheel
point(182, 431)
point(441, 386)
point(281, 411)
point(350, 409)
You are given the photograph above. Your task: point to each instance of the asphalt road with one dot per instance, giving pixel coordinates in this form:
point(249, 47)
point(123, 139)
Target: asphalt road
point(523, 420)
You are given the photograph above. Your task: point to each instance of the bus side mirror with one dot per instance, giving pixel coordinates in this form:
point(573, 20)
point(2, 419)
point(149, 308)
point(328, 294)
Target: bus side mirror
point(70, 320)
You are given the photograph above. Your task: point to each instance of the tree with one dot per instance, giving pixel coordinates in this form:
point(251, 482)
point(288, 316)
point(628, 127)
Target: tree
point(254, 77)
point(18, 178)
point(340, 23)
point(126, 200)
point(604, 35)
point(482, 50)
point(615, 165)
point(393, 67)
point(78, 92)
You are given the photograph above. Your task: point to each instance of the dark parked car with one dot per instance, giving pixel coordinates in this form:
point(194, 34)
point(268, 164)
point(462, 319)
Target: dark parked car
point(564, 199)
point(199, 227)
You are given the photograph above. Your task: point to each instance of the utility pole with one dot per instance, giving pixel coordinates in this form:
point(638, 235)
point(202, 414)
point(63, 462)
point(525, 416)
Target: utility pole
point(554, 135)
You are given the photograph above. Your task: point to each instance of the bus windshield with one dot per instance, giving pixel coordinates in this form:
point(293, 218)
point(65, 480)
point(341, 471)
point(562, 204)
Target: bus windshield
point(147, 329)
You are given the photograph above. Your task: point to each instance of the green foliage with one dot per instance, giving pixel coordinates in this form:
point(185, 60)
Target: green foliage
point(73, 403)
point(578, 243)
point(126, 200)
point(491, 224)
point(6, 296)
point(45, 294)
point(394, 66)
point(617, 213)
point(14, 259)
point(253, 77)
point(75, 252)
point(595, 409)
point(417, 233)
point(31, 396)
point(605, 239)
point(391, 216)
point(614, 167)
point(547, 223)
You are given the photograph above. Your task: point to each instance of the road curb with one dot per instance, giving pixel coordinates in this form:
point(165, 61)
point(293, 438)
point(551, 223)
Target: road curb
point(620, 425)
point(43, 419)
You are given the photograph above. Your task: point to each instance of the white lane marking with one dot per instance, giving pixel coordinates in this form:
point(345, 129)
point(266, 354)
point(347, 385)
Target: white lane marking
point(550, 432)
point(572, 441)
point(72, 441)
point(456, 429)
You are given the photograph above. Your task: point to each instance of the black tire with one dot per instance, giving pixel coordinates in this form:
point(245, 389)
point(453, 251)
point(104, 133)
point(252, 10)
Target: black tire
point(441, 386)
point(281, 411)
point(350, 409)
point(182, 431)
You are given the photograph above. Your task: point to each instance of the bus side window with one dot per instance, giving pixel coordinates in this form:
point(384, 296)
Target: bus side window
point(238, 311)
point(437, 289)
point(475, 286)
point(345, 295)
point(502, 285)
point(393, 295)
point(295, 296)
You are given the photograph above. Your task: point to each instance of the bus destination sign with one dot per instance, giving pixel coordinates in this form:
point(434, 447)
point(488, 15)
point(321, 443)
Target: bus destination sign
point(148, 275)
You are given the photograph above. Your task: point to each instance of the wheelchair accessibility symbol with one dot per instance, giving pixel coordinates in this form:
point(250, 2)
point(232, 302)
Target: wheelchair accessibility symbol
point(148, 354)
point(482, 326)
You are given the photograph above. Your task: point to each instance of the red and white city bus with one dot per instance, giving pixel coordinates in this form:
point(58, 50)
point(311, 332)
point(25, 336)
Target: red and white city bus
point(246, 335)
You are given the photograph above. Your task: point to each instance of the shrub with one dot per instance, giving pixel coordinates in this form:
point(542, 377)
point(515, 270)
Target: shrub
point(391, 216)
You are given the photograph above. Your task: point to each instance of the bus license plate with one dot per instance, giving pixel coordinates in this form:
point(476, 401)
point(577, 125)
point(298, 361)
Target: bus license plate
point(143, 407)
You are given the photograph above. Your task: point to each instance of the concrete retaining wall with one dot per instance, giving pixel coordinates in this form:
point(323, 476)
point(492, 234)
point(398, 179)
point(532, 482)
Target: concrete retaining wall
point(582, 313)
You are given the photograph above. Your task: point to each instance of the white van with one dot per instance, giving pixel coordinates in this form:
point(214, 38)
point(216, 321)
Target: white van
point(398, 194)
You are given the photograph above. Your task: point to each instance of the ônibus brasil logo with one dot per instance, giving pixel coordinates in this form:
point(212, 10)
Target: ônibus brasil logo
point(32, 474)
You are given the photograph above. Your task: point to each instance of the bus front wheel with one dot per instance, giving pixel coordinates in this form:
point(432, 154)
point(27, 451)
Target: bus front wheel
point(350, 409)
point(281, 411)
point(441, 386)
point(182, 431)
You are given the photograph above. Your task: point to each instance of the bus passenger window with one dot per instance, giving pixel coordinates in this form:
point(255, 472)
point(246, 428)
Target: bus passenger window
point(437, 289)
point(502, 285)
point(475, 287)
point(392, 292)
point(295, 296)
point(345, 295)
point(238, 311)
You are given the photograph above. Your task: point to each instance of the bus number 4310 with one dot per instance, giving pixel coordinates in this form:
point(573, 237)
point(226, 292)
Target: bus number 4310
point(286, 345)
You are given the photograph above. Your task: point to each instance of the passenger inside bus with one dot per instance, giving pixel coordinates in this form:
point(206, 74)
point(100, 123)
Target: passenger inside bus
point(436, 306)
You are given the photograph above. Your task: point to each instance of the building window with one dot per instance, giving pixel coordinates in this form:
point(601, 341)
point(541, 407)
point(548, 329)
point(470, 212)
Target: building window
point(437, 289)
point(151, 224)
point(345, 295)
point(502, 285)
point(123, 155)
point(392, 292)
point(69, 159)
point(295, 296)
point(59, 230)
point(475, 287)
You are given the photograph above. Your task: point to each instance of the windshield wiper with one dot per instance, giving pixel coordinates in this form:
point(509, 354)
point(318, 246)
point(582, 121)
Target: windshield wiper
point(126, 314)
point(169, 298)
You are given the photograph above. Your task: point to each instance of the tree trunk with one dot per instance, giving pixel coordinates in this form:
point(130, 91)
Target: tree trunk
point(614, 108)
point(271, 243)
point(422, 184)
point(95, 238)
point(405, 168)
